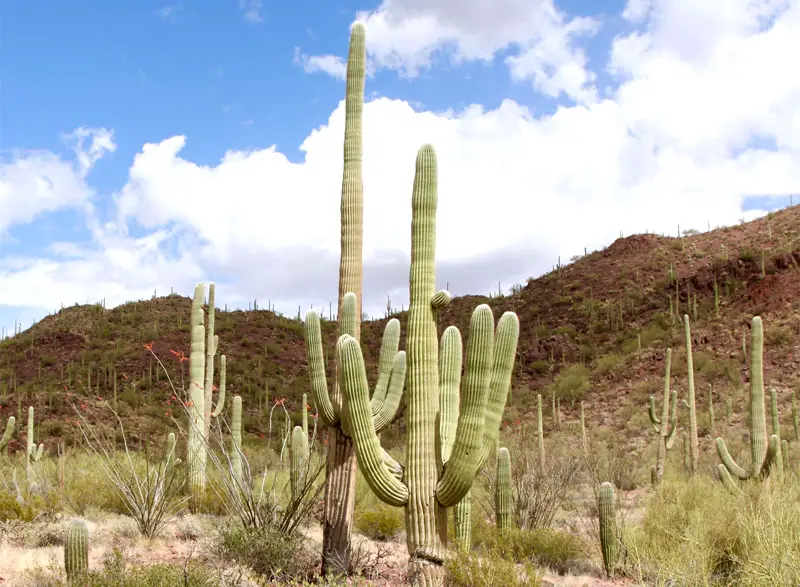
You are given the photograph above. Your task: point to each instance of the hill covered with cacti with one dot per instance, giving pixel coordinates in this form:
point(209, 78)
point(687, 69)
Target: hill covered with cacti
point(594, 330)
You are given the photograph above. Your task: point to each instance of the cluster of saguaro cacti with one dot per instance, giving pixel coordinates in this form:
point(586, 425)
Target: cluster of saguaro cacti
point(428, 484)
point(763, 449)
point(201, 382)
point(607, 509)
point(34, 453)
point(665, 426)
point(76, 550)
point(8, 433)
point(503, 501)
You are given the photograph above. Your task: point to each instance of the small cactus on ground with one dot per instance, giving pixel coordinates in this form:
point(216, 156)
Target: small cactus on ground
point(664, 426)
point(76, 550)
point(763, 449)
point(607, 509)
point(503, 502)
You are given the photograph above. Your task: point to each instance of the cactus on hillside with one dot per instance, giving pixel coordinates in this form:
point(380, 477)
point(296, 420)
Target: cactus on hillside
point(607, 509)
point(8, 433)
point(694, 447)
point(298, 461)
point(33, 452)
point(503, 502)
point(776, 429)
point(664, 426)
point(762, 448)
point(428, 486)
point(76, 550)
point(236, 439)
point(540, 432)
point(583, 427)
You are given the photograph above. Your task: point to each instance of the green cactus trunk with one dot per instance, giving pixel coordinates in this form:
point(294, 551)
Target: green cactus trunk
point(196, 446)
point(664, 426)
point(298, 459)
point(503, 503)
point(763, 449)
point(711, 426)
point(8, 433)
point(776, 429)
point(540, 432)
point(34, 453)
point(211, 351)
point(607, 508)
point(426, 488)
point(76, 550)
point(236, 439)
point(462, 522)
point(694, 446)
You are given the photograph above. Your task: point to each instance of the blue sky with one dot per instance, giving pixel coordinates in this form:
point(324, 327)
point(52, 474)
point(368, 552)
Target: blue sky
point(229, 76)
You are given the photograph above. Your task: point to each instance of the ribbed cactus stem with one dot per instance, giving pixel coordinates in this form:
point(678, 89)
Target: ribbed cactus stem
point(211, 352)
point(304, 414)
point(503, 502)
point(34, 454)
point(664, 426)
point(694, 447)
point(236, 439)
point(8, 433)
point(298, 455)
point(607, 508)
point(196, 446)
point(223, 376)
point(76, 550)
point(776, 428)
point(169, 455)
point(795, 417)
point(728, 409)
point(540, 431)
point(763, 449)
point(462, 522)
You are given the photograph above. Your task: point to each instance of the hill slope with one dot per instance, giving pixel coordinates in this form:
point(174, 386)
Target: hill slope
point(581, 328)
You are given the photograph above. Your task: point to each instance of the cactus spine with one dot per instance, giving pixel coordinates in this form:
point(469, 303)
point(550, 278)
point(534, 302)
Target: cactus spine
point(76, 550)
point(694, 450)
point(664, 426)
point(427, 488)
point(607, 509)
point(8, 433)
point(762, 449)
point(503, 503)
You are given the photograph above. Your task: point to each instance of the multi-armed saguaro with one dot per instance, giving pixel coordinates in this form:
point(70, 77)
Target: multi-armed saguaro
point(201, 380)
point(428, 485)
point(340, 471)
point(762, 449)
point(664, 426)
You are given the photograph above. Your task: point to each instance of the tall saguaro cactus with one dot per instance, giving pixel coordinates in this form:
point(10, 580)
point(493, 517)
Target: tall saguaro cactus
point(34, 453)
point(763, 450)
point(339, 500)
point(694, 446)
point(664, 426)
point(503, 503)
point(428, 485)
point(8, 433)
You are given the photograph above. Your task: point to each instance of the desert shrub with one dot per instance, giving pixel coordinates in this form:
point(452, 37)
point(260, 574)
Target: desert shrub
point(571, 383)
point(545, 547)
point(541, 366)
point(379, 521)
point(608, 364)
point(486, 570)
point(270, 553)
point(777, 336)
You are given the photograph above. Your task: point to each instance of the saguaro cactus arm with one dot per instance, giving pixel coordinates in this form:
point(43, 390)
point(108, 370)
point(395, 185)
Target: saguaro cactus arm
point(222, 383)
point(388, 408)
point(369, 453)
point(8, 433)
point(503, 503)
point(450, 357)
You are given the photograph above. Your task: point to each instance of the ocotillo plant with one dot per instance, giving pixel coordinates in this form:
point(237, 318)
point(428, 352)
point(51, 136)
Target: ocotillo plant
point(339, 501)
point(76, 550)
point(33, 452)
point(762, 449)
point(607, 509)
point(8, 433)
point(776, 428)
point(428, 485)
point(503, 503)
point(664, 426)
point(694, 447)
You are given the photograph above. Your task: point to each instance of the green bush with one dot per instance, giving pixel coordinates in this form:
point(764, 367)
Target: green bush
point(476, 570)
point(380, 522)
point(266, 552)
point(545, 547)
point(571, 383)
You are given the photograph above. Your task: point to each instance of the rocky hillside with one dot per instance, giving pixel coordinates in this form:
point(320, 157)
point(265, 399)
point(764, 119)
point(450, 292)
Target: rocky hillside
point(594, 329)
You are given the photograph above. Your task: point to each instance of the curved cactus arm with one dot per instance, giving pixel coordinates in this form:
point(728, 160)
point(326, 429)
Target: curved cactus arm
point(223, 368)
point(450, 357)
point(505, 352)
point(37, 456)
point(654, 419)
point(727, 481)
point(729, 463)
point(771, 458)
point(369, 453)
point(670, 441)
point(390, 346)
point(462, 465)
point(316, 367)
point(395, 468)
point(393, 396)
point(8, 433)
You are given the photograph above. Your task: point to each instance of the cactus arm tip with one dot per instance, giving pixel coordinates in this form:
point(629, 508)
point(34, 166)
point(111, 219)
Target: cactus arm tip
point(729, 463)
point(394, 394)
point(328, 413)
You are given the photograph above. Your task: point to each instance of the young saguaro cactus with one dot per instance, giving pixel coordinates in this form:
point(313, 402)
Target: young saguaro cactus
point(664, 426)
point(298, 461)
point(8, 433)
point(236, 439)
point(428, 485)
point(76, 550)
point(503, 503)
point(33, 452)
point(762, 449)
point(607, 508)
point(694, 446)
point(776, 428)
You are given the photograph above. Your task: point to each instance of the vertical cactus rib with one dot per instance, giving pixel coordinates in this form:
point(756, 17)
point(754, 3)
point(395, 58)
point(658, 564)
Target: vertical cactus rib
point(607, 509)
point(211, 352)
point(394, 394)
point(540, 431)
point(236, 439)
point(451, 349)
point(298, 456)
point(694, 447)
point(353, 377)
point(503, 503)
point(196, 448)
point(390, 345)
point(76, 550)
